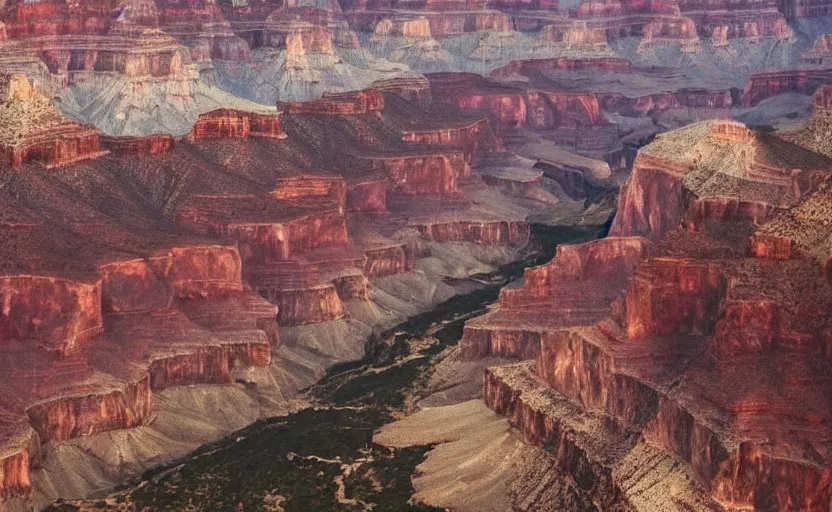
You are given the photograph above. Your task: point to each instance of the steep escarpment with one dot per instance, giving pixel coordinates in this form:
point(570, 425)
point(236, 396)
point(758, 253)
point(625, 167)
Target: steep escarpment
point(714, 269)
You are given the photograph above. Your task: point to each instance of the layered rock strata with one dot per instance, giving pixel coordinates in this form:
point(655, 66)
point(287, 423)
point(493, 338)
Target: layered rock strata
point(126, 276)
point(715, 265)
point(34, 130)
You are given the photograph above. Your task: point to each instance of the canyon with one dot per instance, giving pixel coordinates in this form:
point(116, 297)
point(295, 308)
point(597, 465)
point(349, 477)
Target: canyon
point(213, 204)
point(677, 363)
point(236, 256)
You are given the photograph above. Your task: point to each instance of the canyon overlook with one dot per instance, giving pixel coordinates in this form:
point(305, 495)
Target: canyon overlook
point(468, 255)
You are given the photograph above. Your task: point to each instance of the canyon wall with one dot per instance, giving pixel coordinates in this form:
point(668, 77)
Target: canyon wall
point(677, 319)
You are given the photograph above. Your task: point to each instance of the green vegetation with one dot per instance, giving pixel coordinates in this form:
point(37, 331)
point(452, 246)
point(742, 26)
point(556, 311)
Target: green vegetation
point(296, 463)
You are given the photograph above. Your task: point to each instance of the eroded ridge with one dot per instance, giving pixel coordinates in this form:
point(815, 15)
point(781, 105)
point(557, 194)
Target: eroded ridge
point(700, 328)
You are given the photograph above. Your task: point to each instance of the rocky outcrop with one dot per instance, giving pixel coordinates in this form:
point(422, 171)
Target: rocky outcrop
point(206, 365)
point(386, 261)
point(484, 233)
point(35, 131)
point(143, 285)
point(315, 304)
point(204, 30)
point(352, 103)
point(17, 463)
point(227, 123)
point(682, 29)
point(369, 196)
point(472, 92)
point(654, 201)
point(669, 297)
point(57, 314)
point(575, 288)
point(469, 139)
point(424, 174)
point(24, 20)
point(599, 462)
point(299, 188)
point(762, 86)
point(415, 88)
point(73, 416)
point(54, 147)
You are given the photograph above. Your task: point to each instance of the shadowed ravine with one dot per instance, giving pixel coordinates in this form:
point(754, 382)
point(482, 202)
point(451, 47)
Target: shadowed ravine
point(322, 458)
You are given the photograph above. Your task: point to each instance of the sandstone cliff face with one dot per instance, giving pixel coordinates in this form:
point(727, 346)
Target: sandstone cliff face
point(471, 139)
point(298, 189)
point(431, 174)
point(575, 288)
point(58, 314)
point(413, 87)
point(226, 123)
point(315, 304)
point(386, 261)
point(53, 18)
point(584, 372)
point(669, 297)
point(206, 365)
point(147, 285)
point(472, 92)
point(551, 110)
point(546, 420)
point(15, 471)
point(653, 200)
point(99, 402)
point(370, 196)
point(78, 416)
point(613, 258)
point(725, 209)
